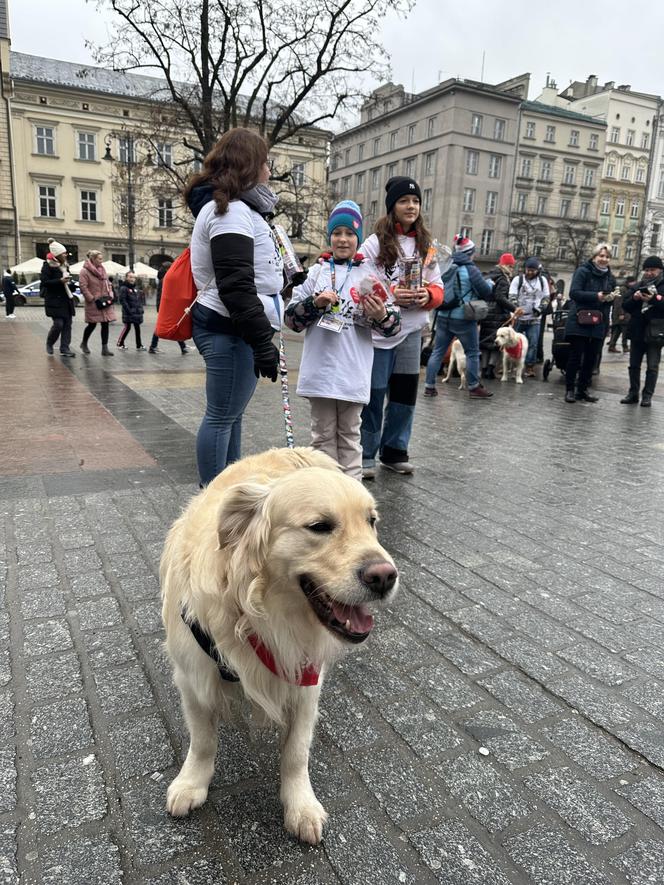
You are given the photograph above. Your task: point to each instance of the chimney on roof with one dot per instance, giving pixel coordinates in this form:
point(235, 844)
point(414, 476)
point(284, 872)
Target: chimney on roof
point(591, 83)
point(610, 84)
point(624, 88)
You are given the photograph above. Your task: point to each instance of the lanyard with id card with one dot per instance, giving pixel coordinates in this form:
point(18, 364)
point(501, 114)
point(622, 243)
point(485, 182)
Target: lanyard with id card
point(331, 319)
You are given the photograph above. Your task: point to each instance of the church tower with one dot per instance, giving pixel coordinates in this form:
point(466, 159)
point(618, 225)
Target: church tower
point(8, 232)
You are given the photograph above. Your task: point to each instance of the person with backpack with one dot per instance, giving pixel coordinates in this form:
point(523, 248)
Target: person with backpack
point(529, 291)
point(400, 250)
point(238, 272)
point(459, 318)
point(154, 344)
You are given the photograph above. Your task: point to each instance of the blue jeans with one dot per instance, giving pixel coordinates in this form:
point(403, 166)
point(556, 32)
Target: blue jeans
point(229, 385)
point(468, 334)
point(532, 333)
point(396, 374)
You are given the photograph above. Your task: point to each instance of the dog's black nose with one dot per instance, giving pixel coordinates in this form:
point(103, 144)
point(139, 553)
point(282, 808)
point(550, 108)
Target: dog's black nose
point(379, 577)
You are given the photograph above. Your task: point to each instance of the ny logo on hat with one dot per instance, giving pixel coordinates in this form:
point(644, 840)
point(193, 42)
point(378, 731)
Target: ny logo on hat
point(411, 186)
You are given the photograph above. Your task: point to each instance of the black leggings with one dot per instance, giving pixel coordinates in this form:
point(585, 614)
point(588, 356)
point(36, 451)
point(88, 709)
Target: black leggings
point(583, 352)
point(89, 329)
point(125, 332)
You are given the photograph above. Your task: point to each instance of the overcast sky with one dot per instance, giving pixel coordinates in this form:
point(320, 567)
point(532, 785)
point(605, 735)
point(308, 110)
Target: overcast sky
point(569, 40)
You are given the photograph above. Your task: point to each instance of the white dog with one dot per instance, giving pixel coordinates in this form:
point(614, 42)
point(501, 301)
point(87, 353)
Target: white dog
point(458, 358)
point(267, 578)
point(514, 347)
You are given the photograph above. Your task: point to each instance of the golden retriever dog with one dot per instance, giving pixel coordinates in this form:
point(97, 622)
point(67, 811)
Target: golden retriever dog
point(276, 567)
point(458, 358)
point(514, 347)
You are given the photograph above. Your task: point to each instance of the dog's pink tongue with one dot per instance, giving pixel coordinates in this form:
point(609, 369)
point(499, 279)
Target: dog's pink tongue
point(355, 617)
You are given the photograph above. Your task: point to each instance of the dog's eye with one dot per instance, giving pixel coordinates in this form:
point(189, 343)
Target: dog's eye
point(321, 528)
point(373, 521)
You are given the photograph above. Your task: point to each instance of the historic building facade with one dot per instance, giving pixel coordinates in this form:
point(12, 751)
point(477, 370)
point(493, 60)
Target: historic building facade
point(96, 165)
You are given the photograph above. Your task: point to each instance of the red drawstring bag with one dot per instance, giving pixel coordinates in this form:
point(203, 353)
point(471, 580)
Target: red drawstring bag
point(178, 294)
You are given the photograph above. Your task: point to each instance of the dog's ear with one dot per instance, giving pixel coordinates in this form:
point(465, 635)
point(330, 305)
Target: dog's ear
point(242, 505)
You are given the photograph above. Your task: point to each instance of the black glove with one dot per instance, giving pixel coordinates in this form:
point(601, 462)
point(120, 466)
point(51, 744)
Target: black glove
point(266, 361)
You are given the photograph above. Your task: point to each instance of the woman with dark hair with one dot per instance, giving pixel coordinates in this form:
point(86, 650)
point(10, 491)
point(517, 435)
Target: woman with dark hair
point(401, 250)
point(238, 272)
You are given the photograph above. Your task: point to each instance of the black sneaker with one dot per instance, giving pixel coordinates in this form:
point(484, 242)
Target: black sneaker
point(569, 396)
point(646, 400)
point(67, 353)
point(49, 349)
point(630, 400)
point(584, 397)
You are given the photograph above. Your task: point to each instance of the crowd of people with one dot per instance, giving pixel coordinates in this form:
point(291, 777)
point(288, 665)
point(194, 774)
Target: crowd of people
point(362, 307)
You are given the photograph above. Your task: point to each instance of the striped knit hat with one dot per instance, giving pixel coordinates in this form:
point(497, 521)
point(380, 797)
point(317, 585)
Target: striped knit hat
point(346, 214)
point(463, 244)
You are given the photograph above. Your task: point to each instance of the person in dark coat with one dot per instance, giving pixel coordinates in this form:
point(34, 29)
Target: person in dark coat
point(161, 273)
point(644, 302)
point(132, 310)
point(620, 319)
point(591, 284)
point(500, 310)
point(57, 290)
point(9, 289)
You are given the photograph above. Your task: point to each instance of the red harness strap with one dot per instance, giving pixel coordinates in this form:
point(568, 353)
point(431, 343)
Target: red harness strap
point(516, 351)
point(309, 674)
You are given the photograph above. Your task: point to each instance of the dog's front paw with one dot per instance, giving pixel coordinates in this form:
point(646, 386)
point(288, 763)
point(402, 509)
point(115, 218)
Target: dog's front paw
point(181, 798)
point(504, 378)
point(519, 380)
point(306, 822)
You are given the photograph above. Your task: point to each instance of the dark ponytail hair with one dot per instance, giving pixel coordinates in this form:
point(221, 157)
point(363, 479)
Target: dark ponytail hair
point(231, 167)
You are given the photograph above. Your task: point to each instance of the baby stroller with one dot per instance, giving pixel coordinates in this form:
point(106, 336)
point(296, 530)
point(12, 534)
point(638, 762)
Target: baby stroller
point(559, 347)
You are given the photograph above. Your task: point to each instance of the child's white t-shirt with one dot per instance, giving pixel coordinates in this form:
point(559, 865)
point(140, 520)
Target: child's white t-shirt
point(412, 318)
point(268, 265)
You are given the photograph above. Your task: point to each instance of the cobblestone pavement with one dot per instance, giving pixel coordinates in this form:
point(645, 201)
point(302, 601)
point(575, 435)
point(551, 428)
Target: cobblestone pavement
point(503, 725)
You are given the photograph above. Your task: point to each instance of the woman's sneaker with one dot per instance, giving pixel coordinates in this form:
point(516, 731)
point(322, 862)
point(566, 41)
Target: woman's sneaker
point(403, 467)
point(430, 391)
point(369, 472)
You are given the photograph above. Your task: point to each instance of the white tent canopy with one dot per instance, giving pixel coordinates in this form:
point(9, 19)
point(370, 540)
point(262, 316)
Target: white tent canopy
point(76, 268)
point(32, 265)
point(144, 270)
point(112, 267)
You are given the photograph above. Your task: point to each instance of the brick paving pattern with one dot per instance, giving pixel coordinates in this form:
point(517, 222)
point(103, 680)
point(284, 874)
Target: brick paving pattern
point(529, 624)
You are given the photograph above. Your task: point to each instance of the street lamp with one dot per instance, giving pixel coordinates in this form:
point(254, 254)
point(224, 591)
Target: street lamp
point(129, 143)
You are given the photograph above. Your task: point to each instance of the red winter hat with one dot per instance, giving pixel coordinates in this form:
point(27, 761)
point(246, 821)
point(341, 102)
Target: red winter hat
point(507, 258)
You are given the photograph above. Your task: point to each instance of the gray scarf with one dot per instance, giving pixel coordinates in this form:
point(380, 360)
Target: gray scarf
point(261, 198)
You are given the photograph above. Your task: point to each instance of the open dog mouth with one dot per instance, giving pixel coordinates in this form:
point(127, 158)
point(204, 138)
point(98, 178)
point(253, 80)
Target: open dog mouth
point(352, 622)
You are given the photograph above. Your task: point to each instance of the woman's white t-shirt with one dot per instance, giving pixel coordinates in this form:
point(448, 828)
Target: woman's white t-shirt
point(268, 265)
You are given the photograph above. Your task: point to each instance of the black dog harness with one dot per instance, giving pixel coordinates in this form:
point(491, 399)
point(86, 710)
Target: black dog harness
point(210, 649)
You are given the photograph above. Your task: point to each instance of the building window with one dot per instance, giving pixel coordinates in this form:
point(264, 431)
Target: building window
point(615, 250)
point(429, 163)
point(530, 129)
point(588, 177)
point(409, 167)
point(334, 163)
point(88, 205)
point(574, 138)
point(593, 144)
point(87, 146)
point(541, 205)
point(545, 170)
point(550, 134)
point(569, 174)
point(629, 252)
point(645, 141)
point(347, 156)
point(376, 147)
point(640, 174)
point(472, 162)
point(165, 207)
point(584, 212)
point(346, 183)
point(626, 173)
point(45, 140)
point(654, 235)
point(605, 207)
point(431, 126)
point(298, 174)
point(521, 202)
point(486, 243)
point(538, 247)
point(495, 165)
point(391, 170)
point(393, 139)
point(610, 170)
point(375, 178)
point(565, 206)
point(164, 154)
point(125, 150)
point(411, 134)
point(526, 167)
point(359, 182)
point(469, 199)
point(373, 208)
point(634, 209)
point(466, 232)
point(491, 202)
point(620, 207)
point(476, 124)
point(562, 250)
point(631, 135)
point(426, 199)
point(47, 207)
point(360, 151)
point(499, 130)
point(614, 135)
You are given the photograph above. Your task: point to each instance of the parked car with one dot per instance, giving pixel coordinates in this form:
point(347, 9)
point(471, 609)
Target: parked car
point(31, 294)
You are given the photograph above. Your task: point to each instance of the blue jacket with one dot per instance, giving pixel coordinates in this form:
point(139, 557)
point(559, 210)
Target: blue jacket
point(587, 282)
point(473, 285)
